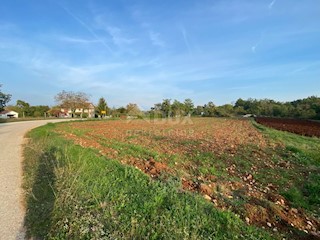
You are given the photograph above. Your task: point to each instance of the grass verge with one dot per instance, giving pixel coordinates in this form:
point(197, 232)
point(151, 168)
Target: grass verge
point(304, 152)
point(73, 193)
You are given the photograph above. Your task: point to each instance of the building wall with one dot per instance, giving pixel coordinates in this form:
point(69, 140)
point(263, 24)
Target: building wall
point(9, 114)
point(89, 111)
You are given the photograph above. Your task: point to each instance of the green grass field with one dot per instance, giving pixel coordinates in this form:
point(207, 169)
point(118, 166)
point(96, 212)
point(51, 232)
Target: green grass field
point(74, 192)
point(304, 191)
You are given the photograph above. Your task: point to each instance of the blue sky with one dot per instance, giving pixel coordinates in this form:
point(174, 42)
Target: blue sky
point(145, 51)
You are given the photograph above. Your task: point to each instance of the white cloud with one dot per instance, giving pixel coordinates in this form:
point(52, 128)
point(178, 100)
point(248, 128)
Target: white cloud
point(156, 39)
point(254, 47)
point(185, 38)
point(118, 37)
point(221, 52)
point(77, 40)
point(88, 28)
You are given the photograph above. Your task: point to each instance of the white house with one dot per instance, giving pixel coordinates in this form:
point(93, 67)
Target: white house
point(90, 111)
point(249, 115)
point(9, 114)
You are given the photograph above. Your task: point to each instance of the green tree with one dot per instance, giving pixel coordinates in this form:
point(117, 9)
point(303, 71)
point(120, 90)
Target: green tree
point(155, 111)
point(188, 106)
point(239, 110)
point(24, 108)
point(240, 103)
point(166, 107)
point(118, 112)
point(209, 109)
point(39, 111)
point(267, 107)
point(225, 110)
point(102, 108)
point(307, 107)
point(4, 99)
point(157, 107)
point(177, 108)
point(199, 111)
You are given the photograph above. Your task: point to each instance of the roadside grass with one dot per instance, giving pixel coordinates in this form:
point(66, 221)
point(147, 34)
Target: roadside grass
point(21, 119)
point(73, 193)
point(8, 120)
point(301, 185)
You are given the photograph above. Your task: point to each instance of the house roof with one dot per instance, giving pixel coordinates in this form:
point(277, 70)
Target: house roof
point(6, 111)
point(91, 105)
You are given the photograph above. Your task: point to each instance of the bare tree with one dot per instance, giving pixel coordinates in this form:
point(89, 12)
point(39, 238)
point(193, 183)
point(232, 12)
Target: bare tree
point(133, 109)
point(73, 101)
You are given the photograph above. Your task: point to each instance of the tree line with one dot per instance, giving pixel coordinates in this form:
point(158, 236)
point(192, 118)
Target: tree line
point(307, 108)
point(26, 110)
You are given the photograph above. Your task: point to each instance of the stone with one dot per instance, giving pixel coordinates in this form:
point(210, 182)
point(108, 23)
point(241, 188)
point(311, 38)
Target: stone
point(207, 197)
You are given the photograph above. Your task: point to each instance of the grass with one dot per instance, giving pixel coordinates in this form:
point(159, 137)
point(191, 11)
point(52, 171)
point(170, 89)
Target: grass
point(306, 149)
point(206, 163)
point(21, 119)
point(73, 193)
point(8, 120)
point(303, 152)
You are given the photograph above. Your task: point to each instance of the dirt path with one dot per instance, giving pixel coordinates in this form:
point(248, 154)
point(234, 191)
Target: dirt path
point(11, 210)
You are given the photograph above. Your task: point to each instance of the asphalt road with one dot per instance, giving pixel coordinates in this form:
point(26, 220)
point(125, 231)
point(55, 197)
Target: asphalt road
point(11, 194)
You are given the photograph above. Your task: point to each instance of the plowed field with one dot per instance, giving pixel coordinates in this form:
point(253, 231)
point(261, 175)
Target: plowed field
point(302, 127)
point(227, 161)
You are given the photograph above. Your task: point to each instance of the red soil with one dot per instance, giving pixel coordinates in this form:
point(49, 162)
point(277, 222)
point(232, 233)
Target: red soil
point(302, 127)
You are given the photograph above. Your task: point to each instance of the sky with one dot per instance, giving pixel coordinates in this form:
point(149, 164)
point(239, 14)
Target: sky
point(144, 51)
